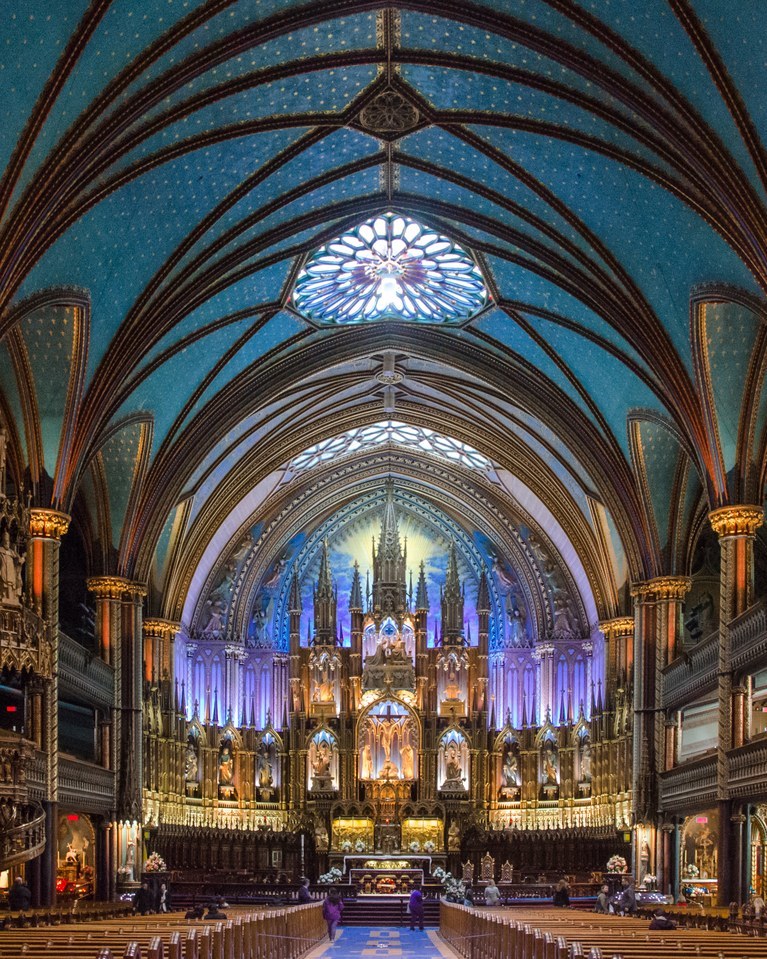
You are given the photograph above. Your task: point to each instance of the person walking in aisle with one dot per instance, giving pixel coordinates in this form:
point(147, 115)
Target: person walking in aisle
point(415, 908)
point(332, 910)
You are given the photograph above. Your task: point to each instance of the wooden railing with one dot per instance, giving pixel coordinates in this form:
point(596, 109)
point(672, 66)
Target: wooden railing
point(24, 838)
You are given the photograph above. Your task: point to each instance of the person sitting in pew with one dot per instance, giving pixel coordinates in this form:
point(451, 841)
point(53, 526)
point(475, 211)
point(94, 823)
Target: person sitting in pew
point(562, 894)
point(661, 921)
point(19, 895)
point(214, 913)
point(196, 912)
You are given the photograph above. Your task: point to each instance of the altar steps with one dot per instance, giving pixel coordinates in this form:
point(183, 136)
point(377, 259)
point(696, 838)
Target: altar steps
point(386, 911)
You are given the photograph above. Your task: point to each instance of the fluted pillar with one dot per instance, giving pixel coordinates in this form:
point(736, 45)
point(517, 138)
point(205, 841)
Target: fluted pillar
point(619, 635)
point(160, 658)
point(131, 777)
point(46, 527)
point(736, 527)
point(657, 629)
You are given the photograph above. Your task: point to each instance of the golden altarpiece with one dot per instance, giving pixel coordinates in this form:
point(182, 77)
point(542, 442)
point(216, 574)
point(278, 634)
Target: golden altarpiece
point(394, 749)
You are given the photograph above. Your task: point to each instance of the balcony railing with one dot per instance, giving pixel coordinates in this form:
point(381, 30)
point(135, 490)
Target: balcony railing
point(692, 674)
point(84, 675)
point(747, 766)
point(692, 784)
point(22, 832)
point(748, 638)
point(84, 785)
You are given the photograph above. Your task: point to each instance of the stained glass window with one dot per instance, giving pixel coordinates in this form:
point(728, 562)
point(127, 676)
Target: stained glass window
point(390, 267)
point(392, 431)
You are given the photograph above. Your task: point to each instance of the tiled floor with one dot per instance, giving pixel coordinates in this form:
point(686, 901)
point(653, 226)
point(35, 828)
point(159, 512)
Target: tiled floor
point(354, 942)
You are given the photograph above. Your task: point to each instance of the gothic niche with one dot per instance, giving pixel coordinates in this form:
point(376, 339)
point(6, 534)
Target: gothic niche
point(549, 771)
point(388, 742)
point(453, 762)
point(323, 762)
point(226, 788)
point(510, 767)
point(583, 761)
point(325, 682)
point(266, 766)
point(192, 762)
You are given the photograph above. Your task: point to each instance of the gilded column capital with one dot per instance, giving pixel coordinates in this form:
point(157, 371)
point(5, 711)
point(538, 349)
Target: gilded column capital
point(661, 588)
point(135, 590)
point(47, 523)
point(620, 626)
point(107, 587)
point(736, 520)
point(160, 627)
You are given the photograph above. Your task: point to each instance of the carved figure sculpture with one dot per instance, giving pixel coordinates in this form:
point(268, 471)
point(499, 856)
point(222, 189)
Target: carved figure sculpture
point(453, 771)
point(190, 760)
point(510, 768)
point(586, 760)
point(321, 764)
point(265, 779)
point(406, 755)
point(549, 764)
point(10, 572)
point(226, 764)
point(367, 762)
point(454, 837)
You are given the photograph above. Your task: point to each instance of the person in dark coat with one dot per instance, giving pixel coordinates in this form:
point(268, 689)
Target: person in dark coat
point(562, 894)
point(415, 908)
point(628, 903)
point(143, 902)
point(19, 895)
point(603, 900)
point(304, 895)
point(661, 921)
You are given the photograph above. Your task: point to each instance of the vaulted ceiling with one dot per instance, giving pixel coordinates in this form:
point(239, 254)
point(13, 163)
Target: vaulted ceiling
point(169, 164)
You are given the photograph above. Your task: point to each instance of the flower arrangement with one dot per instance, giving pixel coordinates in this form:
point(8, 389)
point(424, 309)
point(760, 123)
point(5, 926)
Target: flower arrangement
point(649, 881)
point(617, 864)
point(454, 890)
point(414, 846)
point(155, 863)
point(691, 871)
point(359, 845)
point(429, 846)
point(331, 877)
point(346, 845)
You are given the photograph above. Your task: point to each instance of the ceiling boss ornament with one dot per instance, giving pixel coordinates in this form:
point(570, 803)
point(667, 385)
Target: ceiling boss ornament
point(390, 267)
point(389, 113)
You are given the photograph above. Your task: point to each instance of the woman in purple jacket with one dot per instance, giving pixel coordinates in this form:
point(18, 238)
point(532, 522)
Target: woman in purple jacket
point(415, 908)
point(332, 910)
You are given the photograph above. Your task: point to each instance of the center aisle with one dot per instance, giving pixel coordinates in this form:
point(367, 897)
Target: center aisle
point(354, 942)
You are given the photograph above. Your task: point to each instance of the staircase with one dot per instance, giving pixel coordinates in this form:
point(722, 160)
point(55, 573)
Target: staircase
point(22, 832)
point(386, 911)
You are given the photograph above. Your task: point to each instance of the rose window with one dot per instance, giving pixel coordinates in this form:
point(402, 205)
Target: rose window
point(390, 267)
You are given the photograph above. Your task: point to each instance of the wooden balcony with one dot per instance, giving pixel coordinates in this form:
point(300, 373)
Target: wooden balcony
point(747, 770)
point(24, 644)
point(692, 674)
point(692, 785)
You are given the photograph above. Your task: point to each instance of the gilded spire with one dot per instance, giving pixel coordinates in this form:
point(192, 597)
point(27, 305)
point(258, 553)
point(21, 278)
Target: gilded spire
point(295, 594)
point(421, 594)
point(483, 594)
point(355, 597)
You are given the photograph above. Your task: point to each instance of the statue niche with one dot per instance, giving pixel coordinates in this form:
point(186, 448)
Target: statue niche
point(390, 665)
point(453, 770)
point(550, 769)
point(226, 789)
point(192, 763)
point(324, 672)
point(510, 769)
point(322, 762)
point(452, 680)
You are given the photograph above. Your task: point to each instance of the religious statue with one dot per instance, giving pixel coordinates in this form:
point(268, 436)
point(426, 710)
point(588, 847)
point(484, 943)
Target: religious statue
point(265, 780)
point(453, 771)
point(10, 572)
point(324, 691)
point(226, 764)
point(389, 770)
point(454, 837)
point(321, 837)
point(510, 768)
point(191, 764)
point(214, 628)
point(549, 764)
point(407, 757)
point(367, 762)
point(321, 765)
point(452, 689)
point(586, 760)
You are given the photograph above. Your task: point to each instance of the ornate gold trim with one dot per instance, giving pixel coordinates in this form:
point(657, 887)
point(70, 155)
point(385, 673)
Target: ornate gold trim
point(620, 626)
point(736, 520)
point(662, 587)
point(160, 627)
point(47, 523)
point(113, 587)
